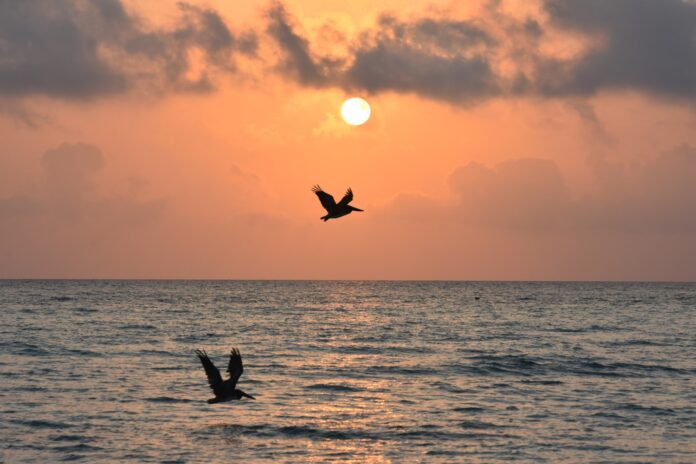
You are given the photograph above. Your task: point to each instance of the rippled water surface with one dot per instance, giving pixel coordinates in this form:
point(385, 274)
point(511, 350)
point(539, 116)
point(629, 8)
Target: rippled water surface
point(349, 371)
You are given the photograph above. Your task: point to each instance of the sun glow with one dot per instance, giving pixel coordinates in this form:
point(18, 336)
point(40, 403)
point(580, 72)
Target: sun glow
point(355, 111)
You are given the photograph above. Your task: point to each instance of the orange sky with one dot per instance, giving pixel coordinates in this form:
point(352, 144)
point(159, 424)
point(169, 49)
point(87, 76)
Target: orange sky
point(582, 172)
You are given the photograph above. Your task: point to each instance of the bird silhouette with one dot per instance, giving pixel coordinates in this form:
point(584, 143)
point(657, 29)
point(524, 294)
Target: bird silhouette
point(335, 210)
point(224, 390)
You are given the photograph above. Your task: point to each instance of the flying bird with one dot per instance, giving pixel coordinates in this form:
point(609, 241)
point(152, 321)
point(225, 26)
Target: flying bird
point(335, 210)
point(224, 389)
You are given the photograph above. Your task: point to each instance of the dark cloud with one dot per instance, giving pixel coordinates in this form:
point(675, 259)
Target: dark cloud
point(438, 59)
point(297, 61)
point(77, 49)
point(442, 59)
point(80, 49)
point(588, 115)
point(641, 45)
point(400, 68)
point(644, 45)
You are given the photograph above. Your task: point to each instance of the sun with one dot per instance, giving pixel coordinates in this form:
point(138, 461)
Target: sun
point(355, 111)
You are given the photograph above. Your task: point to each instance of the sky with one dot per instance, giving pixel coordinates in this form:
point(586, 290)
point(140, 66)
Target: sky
point(509, 140)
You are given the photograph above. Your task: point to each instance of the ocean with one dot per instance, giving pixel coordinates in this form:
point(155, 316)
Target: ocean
point(376, 372)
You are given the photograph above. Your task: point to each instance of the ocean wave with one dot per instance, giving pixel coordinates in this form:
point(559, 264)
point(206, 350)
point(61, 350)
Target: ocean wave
point(137, 327)
point(327, 434)
point(77, 448)
point(469, 409)
point(621, 369)
point(419, 433)
point(398, 370)
point(69, 437)
point(427, 431)
point(542, 382)
point(499, 365)
point(636, 342)
point(197, 338)
point(441, 379)
point(80, 352)
point(42, 424)
point(85, 310)
point(526, 366)
point(333, 387)
point(647, 409)
point(449, 453)
point(168, 399)
point(24, 348)
point(480, 425)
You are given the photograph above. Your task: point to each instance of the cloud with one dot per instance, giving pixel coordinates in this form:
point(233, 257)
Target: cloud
point(643, 45)
point(588, 115)
point(68, 191)
point(69, 178)
point(22, 114)
point(442, 59)
point(436, 59)
point(531, 195)
point(518, 193)
point(657, 196)
point(17, 205)
point(637, 45)
point(78, 50)
point(297, 60)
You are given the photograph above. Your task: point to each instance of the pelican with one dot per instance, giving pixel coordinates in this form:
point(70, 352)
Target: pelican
point(335, 210)
point(224, 390)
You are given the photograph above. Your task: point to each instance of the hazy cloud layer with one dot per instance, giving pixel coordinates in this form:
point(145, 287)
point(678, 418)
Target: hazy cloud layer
point(532, 195)
point(82, 49)
point(518, 193)
point(68, 191)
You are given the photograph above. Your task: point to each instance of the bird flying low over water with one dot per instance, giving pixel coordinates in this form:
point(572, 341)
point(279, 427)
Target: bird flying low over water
point(335, 210)
point(224, 390)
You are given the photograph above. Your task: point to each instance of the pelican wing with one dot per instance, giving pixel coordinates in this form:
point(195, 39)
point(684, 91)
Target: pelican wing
point(347, 198)
point(235, 367)
point(214, 377)
point(327, 201)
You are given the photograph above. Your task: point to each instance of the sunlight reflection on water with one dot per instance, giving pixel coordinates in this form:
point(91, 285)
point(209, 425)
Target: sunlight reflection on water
point(349, 371)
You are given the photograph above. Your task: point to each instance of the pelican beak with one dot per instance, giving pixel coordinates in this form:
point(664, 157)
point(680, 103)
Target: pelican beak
point(247, 395)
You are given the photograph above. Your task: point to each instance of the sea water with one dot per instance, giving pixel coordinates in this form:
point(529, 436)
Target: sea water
point(446, 372)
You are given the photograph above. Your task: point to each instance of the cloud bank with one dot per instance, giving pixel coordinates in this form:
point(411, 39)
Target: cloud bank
point(75, 49)
point(532, 195)
point(644, 46)
point(68, 192)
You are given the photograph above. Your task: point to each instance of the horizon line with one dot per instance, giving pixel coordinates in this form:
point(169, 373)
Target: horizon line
point(150, 279)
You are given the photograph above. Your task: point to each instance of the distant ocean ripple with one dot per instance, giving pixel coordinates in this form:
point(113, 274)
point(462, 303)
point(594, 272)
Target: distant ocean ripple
point(349, 371)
